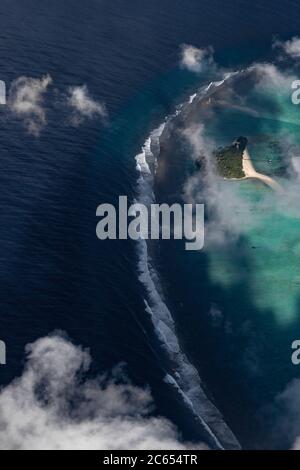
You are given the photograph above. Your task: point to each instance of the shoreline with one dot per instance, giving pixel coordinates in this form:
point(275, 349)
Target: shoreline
point(250, 172)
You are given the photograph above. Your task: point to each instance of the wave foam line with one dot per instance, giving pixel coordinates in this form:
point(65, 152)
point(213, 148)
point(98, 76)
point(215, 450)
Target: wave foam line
point(186, 379)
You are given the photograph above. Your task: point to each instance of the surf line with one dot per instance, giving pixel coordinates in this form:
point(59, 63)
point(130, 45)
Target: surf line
point(185, 379)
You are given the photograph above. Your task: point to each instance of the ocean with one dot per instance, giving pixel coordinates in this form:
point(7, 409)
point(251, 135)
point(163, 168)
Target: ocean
point(56, 275)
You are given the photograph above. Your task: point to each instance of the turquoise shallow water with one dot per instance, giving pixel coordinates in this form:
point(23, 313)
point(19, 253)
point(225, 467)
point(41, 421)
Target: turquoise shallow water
point(269, 221)
point(272, 238)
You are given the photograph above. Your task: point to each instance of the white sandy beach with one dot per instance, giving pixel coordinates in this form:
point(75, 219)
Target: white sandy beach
point(250, 172)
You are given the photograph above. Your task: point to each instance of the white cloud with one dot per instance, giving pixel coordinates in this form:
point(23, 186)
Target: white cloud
point(291, 47)
point(269, 77)
point(195, 59)
point(52, 406)
point(83, 106)
point(26, 101)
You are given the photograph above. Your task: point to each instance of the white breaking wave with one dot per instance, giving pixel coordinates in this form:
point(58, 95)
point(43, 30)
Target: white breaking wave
point(221, 82)
point(186, 379)
point(141, 161)
point(192, 97)
point(146, 161)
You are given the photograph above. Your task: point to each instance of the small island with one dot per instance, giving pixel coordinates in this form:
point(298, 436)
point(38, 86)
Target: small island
point(229, 160)
point(234, 162)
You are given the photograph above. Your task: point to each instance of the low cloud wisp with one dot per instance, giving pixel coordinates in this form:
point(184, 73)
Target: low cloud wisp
point(195, 59)
point(83, 106)
point(26, 102)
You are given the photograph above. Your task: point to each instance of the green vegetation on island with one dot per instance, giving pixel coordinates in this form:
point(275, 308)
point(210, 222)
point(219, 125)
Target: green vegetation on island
point(229, 160)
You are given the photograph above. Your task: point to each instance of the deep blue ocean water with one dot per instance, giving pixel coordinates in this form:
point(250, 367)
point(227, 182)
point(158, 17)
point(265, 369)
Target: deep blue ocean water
point(54, 273)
